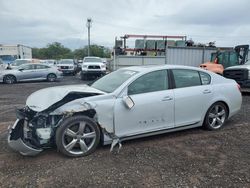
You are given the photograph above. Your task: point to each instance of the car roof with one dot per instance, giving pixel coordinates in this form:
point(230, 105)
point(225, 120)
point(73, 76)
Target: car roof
point(34, 64)
point(149, 68)
point(92, 57)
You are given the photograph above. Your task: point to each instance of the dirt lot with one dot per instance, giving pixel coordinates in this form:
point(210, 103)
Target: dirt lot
point(192, 158)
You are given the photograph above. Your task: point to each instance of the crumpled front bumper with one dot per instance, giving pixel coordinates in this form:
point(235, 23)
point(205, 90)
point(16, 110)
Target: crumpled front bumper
point(15, 140)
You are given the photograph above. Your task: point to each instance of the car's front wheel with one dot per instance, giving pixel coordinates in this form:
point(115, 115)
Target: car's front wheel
point(77, 136)
point(9, 79)
point(51, 77)
point(216, 116)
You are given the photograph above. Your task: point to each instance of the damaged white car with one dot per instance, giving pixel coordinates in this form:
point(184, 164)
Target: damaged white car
point(129, 103)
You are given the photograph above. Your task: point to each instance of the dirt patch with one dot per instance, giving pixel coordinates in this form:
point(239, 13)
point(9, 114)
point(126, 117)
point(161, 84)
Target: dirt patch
point(183, 159)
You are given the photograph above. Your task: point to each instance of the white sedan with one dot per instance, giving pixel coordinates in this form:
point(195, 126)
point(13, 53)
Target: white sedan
point(129, 103)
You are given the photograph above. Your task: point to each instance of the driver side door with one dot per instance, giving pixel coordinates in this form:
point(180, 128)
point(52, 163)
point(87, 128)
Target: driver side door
point(153, 108)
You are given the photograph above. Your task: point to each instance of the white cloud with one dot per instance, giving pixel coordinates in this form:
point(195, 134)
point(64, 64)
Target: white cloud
point(36, 23)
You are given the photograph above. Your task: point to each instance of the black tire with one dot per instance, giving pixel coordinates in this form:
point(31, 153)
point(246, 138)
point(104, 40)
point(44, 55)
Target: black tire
point(216, 116)
point(77, 136)
point(9, 79)
point(51, 77)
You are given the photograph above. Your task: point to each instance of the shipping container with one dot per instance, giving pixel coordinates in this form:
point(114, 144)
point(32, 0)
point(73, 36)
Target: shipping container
point(189, 56)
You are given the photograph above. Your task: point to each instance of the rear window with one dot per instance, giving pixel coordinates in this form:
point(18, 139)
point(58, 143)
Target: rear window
point(205, 78)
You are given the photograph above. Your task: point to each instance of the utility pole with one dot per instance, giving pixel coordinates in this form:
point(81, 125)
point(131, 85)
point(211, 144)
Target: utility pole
point(89, 24)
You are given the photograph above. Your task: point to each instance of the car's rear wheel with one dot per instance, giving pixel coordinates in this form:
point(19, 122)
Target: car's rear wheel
point(77, 136)
point(216, 116)
point(9, 79)
point(51, 77)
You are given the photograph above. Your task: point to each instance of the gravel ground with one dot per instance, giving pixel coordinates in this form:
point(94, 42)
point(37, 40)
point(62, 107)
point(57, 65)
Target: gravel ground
point(191, 158)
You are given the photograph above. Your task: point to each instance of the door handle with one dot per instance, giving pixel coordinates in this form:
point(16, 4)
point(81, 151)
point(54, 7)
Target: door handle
point(167, 98)
point(206, 91)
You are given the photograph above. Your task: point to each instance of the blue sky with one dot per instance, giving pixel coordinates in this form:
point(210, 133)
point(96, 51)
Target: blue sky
point(38, 22)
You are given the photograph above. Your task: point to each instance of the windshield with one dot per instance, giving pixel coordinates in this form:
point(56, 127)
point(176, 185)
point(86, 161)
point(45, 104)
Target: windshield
point(66, 62)
point(19, 62)
point(112, 81)
point(92, 59)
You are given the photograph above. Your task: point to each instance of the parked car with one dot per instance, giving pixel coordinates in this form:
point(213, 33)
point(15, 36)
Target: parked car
point(129, 103)
point(19, 62)
point(240, 73)
point(92, 66)
point(30, 71)
point(67, 66)
point(50, 62)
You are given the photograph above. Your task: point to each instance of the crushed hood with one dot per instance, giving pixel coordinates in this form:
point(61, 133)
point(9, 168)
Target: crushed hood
point(45, 98)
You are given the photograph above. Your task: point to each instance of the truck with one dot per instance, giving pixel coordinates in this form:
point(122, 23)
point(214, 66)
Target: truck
point(9, 53)
point(241, 74)
point(221, 60)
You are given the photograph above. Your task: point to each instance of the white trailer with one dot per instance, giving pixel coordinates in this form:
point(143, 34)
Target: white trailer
point(189, 56)
point(9, 53)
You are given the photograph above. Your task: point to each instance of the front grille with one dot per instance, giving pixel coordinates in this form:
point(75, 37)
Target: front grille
point(237, 74)
point(94, 67)
point(64, 67)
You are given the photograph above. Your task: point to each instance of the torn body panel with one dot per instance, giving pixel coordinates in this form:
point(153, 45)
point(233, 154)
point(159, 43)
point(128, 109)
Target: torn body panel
point(103, 105)
point(36, 129)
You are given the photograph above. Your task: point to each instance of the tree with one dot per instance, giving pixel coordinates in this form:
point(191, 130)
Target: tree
point(56, 50)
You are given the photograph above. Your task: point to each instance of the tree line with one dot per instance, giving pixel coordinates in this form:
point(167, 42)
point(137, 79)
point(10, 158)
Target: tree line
point(57, 51)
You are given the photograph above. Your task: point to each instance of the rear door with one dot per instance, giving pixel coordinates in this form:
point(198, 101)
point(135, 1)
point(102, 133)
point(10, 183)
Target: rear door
point(41, 71)
point(193, 94)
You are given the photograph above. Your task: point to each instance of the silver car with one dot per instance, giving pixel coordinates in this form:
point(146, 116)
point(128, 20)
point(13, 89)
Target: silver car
point(29, 72)
point(129, 103)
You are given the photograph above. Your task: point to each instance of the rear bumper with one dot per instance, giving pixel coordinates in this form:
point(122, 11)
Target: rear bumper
point(16, 143)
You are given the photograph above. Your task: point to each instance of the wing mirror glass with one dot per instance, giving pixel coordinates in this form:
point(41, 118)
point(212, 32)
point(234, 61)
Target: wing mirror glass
point(129, 103)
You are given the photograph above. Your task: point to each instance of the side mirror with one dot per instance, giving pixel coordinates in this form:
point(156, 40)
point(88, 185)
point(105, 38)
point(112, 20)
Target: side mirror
point(21, 69)
point(129, 103)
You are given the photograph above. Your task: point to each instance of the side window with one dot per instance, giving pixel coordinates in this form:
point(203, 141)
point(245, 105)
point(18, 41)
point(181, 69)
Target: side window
point(205, 78)
point(41, 67)
point(186, 78)
point(150, 82)
point(27, 67)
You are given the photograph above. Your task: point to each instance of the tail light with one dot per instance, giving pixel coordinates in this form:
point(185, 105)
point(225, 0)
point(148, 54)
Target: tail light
point(238, 85)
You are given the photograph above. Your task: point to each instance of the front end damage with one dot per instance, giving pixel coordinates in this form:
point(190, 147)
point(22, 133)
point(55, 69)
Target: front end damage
point(32, 132)
point(16, 140)
point(35, 130)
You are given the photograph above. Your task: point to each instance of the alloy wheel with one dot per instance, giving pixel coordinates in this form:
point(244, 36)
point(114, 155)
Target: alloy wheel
point(79, 138)
point(217, 116)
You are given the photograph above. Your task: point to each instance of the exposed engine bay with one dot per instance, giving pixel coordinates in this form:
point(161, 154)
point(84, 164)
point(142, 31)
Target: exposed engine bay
point(34, 131)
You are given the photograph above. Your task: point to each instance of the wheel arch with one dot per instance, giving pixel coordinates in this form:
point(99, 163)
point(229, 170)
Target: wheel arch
point(223, 102)
point(91, 113)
